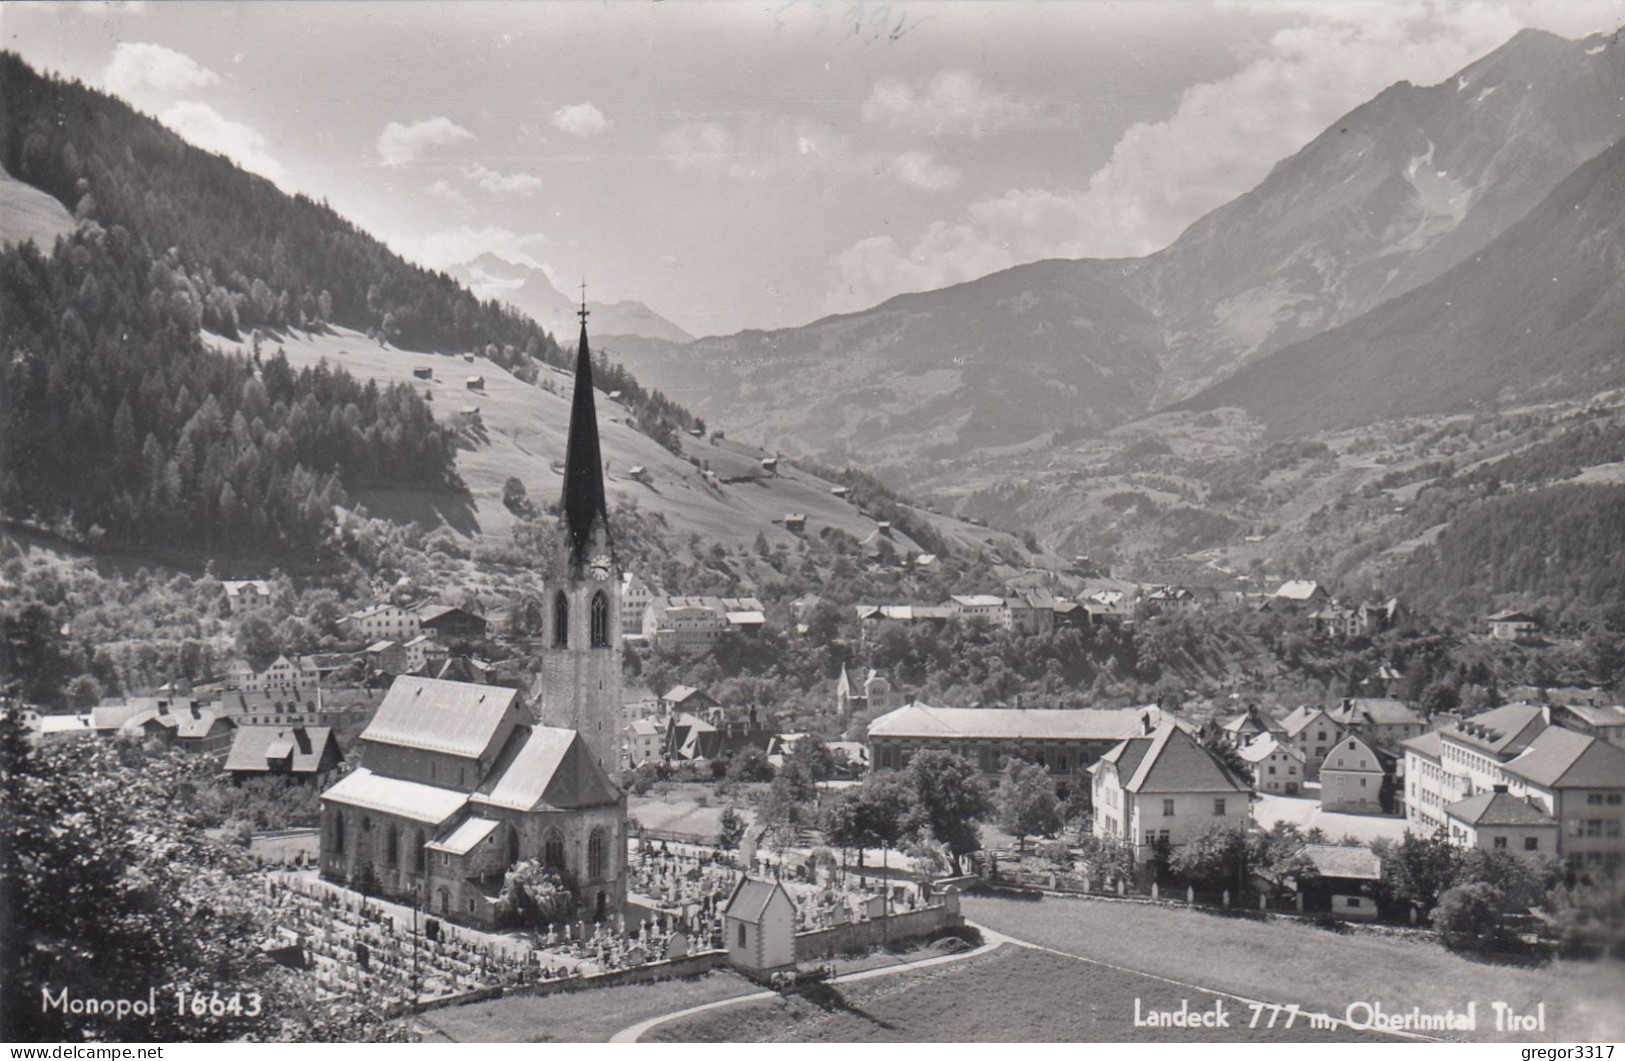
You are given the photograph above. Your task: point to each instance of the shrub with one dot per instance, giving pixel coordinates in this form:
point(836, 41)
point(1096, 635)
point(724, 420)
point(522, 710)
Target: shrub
point(1465, 913)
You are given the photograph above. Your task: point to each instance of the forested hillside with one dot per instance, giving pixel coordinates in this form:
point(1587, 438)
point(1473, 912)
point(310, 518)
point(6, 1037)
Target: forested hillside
point(117, 420)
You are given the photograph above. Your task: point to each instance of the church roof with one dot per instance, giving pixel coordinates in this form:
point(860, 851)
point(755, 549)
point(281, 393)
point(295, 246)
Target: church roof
point(583, 464)
point(465, 837)
point(545, 768)
point(366, 790)
point(457, 718)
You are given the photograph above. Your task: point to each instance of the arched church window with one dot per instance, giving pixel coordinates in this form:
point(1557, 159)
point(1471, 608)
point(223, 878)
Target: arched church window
point(513, 845)
point(600, 620)
point(553, 851)
point(392, 846)
point(595, 854)
point(338, 831)
point(561, 620)
point(419, 858)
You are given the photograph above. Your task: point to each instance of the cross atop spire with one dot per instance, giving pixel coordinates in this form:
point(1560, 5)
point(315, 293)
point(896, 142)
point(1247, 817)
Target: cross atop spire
point(583, 464)
point(582, 312)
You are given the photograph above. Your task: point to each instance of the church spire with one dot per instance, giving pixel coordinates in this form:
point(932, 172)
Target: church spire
point(583, 465)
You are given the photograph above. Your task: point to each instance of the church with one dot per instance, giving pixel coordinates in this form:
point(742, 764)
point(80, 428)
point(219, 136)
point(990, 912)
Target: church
point(458, 782)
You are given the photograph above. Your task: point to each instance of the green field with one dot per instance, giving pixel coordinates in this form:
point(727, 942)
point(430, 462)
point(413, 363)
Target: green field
point(1010, 995)
point(1286, 962)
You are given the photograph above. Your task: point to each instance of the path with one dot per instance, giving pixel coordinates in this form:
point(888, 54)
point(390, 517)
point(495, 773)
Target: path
point(636, 1031)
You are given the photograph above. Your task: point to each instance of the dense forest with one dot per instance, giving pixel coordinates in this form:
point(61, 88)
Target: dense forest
point(118, 420)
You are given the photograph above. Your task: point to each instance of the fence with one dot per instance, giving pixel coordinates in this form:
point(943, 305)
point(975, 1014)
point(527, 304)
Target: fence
point(861, 935)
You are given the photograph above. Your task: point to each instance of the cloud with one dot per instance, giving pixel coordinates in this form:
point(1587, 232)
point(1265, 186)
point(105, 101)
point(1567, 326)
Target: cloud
point(953, 102)
point(502, 183)
point(448, 247)
point(580, 119)
point(918, 169)
point(1221, 141)
point(761, 150)
point(206, 127)
point(138, 68)
point(442, 189)
point(399, 144)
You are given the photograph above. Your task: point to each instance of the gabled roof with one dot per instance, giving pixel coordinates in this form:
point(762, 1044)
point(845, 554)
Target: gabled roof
point(1300, 718)
point(1351, 748)
point(363, 789)
point(1512, 617)
point(977, 600)
point(1600, 715)
point(1498, 808)
point(254, 748)
point(989, 723)
point(1348, 863)
point(1170, 760)
point(465, 837)
point(1385, 711)
point(545, 768)
point(1266, 746)
point(1299, 589)
point(1572, 760)
point(1427, 745)
point(457, 718)
point(750, 899)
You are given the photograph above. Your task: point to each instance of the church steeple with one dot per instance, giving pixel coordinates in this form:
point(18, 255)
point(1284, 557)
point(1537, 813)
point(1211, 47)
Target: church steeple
point(583, 499)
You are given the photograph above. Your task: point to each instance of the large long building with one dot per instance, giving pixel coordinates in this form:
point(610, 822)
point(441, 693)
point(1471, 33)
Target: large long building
point(1509, 779)
point(1064, 742)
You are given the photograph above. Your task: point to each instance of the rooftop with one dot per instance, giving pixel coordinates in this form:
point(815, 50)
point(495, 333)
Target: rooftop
point(366, 790)
point(986, 723)
point(1498, 808)
point(1349, 863)
point(1573, 760)
point(458, 718)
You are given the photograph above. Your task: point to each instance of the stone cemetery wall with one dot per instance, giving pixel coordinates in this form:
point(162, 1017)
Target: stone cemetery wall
point(862, 935)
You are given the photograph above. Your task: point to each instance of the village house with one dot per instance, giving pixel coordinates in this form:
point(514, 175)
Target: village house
point(1513, 626)
point(424, 654)
point(874, 694)
point(1163, 789)
point(447, 624)
point(694, 625)
point(1351, 777)
point(1298, 594)
point(106, 719)
point(1466, 777)
point(245, 594)
point(379, 623)
point(690, 737)
point(386, 657)
point(1384, 722)
point(978, 608)
point(645, 742)
point(1605, 722)
point(1345, 882)
point(1241, 730)
point(281, 675)
point(1277, 767)
point(276, 707)
point(1312, 731)
point(1064, 742)
point(184, 725)
point(686, 698)
point(635, 597)
point(296, 751)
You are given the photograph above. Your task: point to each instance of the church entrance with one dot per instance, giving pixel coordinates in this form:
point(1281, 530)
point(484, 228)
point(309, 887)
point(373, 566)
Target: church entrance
point(445, 901)
point(598, 913)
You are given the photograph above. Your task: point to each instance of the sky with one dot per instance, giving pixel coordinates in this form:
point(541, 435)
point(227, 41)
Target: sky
point(761, 163)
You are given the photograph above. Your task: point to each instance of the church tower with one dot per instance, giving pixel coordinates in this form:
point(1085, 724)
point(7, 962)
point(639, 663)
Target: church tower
point(581, 629)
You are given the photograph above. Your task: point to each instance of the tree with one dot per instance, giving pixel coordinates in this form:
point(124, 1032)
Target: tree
point(730, 828)
point(84, 692)
point(1465, 912)
point(750, 765)
point(813, 756)
point(1026, 802)
point(515, 499)
point(1419, 868)
point(1227, 754)
point(1108, 857)
point(110, 877)
point(1217, 857)
point(535, 894)
point(1590, 915)
point(952, 799)
point(877, 812)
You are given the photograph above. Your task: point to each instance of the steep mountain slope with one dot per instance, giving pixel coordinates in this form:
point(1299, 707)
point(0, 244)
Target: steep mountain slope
point(1539, 313)
point(987, 363)
point(1389, 197)
point(26, 213)
point(521, 433)
point(529, 291)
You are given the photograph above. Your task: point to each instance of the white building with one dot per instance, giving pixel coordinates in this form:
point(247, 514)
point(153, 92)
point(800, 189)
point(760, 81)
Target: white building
point(381, 622)
point(1164, 788)
point(1277, 767)
point(635, 597)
